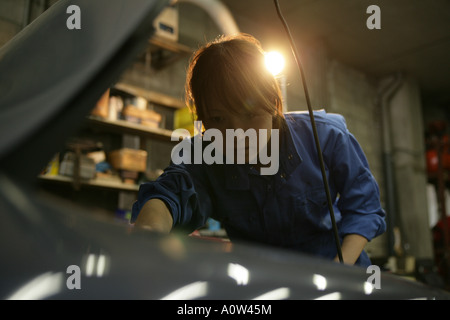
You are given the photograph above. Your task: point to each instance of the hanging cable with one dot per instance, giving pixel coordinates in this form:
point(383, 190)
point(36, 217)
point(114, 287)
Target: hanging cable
point(316, 138)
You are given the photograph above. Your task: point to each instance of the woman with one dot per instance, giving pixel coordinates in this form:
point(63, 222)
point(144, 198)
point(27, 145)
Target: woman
point(228, 87)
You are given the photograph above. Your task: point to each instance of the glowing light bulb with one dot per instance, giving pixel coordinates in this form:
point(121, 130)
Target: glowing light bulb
point(274, 62)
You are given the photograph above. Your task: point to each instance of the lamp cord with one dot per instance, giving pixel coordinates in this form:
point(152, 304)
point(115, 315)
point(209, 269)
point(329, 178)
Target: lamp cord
point(316, 138)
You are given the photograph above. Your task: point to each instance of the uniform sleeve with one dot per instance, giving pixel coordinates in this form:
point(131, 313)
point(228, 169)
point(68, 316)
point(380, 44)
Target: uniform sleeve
point(183, 193)
point(359, 196)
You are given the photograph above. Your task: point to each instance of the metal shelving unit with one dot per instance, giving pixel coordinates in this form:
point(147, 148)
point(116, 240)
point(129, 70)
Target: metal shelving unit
point(110, 183)
point(160, 54)
point(126, 127)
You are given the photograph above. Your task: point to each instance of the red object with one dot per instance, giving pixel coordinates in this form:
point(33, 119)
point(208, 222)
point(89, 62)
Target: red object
point(432, 161)
point(432, 156)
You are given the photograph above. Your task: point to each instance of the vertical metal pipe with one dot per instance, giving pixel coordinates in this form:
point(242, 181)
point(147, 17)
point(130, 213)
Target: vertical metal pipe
point(26, 13)
point(386, 94)
point(218, 12)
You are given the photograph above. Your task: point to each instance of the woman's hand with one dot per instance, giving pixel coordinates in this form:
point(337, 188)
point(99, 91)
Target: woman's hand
point(352, 246)
point(155, 216)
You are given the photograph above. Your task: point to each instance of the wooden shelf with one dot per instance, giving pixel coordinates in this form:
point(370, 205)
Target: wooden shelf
point(114, 184)
point(165, 52)
point(127, 127)
point(168, 45)
point(152, 96)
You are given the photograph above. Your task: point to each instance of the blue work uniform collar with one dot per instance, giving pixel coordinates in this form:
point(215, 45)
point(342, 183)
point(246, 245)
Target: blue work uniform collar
point(237, 175)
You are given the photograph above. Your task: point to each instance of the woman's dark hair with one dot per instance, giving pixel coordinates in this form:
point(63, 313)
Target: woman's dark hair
point(231, 71)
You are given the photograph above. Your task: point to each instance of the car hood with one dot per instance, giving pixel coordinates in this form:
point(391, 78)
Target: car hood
point(43, 240)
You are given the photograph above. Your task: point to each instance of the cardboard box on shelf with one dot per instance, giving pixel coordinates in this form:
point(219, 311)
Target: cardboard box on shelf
point(128, 159)
point(86, 166)
point(151, 119)
point(132, 114)
point(146, 117)
point(102, 107)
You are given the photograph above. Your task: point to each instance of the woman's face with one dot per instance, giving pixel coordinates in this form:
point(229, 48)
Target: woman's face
point(219, 117)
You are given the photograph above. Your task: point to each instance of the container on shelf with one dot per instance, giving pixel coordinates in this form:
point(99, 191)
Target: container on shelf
point(128, 159)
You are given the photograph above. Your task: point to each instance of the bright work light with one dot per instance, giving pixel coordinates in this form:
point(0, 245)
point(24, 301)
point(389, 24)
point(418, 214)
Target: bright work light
point(274, 62)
